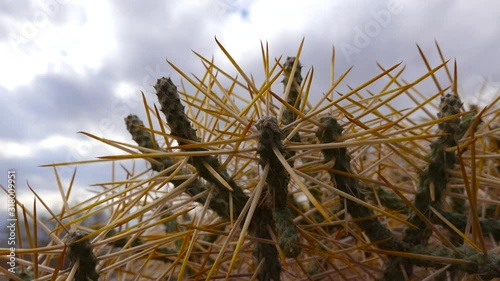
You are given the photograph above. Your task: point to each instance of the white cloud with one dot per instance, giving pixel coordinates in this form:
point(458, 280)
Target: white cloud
point(125, 90)
point(56, 142)
point(11, 150)
point(86, 45)
point(271, 21)
point(38, 44)
point(81, 146)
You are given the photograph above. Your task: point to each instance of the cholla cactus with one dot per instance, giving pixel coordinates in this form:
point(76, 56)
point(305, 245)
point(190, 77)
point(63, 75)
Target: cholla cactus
point(247, 184)
point(81, 256)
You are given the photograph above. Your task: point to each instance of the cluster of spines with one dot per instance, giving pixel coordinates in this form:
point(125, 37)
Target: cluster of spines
point(282, 217)
point(220, 205)
point(181, 127)
point(454, 129)
point(144, 139)
point(446, 152)
point(486, 266)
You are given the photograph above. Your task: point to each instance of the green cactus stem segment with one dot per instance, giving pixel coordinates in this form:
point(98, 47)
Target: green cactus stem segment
point(486, 266)
point(293, 96)
point(277, 182)
point(292, 99)
point(387, 199)
point(173, 109)
point(341, 159)
point(81, 252)
point(434, 175)
point(488, 226)
point(329, 133)
point(180, 126)
point(144, 139)
point(265, 253)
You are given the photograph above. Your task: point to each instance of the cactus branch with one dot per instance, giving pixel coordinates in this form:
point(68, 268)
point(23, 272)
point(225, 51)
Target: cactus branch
point(277, 182)
point(292, 98)
point(330, 132)
point(144, 139)
point(433, 179)
point(341, 159)
point(180, 126)
point(80, 253)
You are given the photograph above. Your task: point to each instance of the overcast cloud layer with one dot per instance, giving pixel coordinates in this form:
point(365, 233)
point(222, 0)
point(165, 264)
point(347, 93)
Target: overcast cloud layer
point(70, 66)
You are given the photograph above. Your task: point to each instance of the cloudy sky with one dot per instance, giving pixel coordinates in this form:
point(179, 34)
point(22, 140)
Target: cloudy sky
point(70, 66)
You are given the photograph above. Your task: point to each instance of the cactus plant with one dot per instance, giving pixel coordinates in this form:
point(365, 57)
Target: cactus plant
point(248, 184)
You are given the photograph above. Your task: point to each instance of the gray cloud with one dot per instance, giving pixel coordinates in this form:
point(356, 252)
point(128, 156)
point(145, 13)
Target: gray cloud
point(56, 104)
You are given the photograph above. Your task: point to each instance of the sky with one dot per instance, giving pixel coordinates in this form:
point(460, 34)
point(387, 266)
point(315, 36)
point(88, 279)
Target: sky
point(70, 66)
